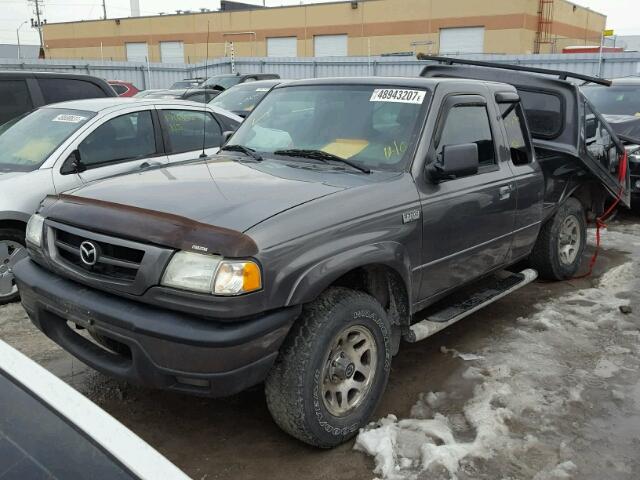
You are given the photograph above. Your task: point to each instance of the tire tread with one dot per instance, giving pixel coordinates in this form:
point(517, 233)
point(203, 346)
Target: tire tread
point(284, 387)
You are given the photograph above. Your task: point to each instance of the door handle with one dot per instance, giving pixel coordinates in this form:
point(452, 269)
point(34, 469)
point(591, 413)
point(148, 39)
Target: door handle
point(505, 192)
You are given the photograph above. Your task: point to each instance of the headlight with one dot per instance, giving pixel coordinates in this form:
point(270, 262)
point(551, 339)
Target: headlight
point(210, 274)
point(35, 228)
point(191, 271)
point(234, 278)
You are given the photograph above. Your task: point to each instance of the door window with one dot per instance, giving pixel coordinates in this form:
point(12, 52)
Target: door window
point(127, 137)
point(469, 124)
point(513, 120)
point(185, 130)
point(15, 99)
point(57, 90)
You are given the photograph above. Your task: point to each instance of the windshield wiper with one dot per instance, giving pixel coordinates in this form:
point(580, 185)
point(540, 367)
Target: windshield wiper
point(320, 155)
point(242, 149)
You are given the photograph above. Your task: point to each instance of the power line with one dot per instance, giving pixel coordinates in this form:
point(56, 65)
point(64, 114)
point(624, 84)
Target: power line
point(38, 23)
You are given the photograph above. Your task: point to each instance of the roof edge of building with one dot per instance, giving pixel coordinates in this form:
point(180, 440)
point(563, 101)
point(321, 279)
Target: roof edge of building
point(586, 8)
point(257, 8)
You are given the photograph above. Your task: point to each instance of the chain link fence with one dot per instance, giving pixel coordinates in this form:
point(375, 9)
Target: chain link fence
point(162, 75)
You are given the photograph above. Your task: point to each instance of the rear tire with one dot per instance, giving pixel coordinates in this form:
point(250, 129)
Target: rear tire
point(12, 249)
point(332, 369)
point(558, 251)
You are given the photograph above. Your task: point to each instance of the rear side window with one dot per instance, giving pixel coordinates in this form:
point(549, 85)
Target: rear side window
point(15, 99)
point(513, 120)
point(469, 124)
point(119, 89)
point(197, 97)
point(61, 90)
point(544, 113)
point(127, 137)
point(185, 130)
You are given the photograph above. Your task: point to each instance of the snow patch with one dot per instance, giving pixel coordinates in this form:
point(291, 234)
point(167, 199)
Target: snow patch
point(522, 384)
point(394, 443)
point(467, 357)
point(561, 471)
point(605, 368)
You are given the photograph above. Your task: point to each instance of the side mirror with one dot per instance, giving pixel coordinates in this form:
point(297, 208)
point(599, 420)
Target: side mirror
point(457, 161)
point(73, 164)
point(226, 136)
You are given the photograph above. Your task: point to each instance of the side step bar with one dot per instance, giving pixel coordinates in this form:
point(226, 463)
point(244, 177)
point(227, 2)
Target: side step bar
point(493, 290)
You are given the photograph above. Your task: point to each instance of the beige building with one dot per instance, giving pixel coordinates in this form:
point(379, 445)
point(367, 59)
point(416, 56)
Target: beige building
point(353, 28)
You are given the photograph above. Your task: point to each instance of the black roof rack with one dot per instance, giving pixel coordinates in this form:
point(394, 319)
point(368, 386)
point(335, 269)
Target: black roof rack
point(561, 74)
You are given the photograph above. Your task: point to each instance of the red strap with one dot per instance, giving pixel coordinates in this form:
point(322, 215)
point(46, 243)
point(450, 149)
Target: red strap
point(622, 176)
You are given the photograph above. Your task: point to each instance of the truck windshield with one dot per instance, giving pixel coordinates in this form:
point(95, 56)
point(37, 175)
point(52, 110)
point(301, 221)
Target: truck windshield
point(241, 98)
point(614, 100)
point(373, 126)
point(26, 143)
point(224, 81)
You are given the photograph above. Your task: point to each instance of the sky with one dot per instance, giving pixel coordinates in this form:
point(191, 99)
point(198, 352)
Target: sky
point(623, 15)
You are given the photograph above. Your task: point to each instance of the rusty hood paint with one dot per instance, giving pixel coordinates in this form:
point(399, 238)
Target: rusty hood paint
point(207, 204)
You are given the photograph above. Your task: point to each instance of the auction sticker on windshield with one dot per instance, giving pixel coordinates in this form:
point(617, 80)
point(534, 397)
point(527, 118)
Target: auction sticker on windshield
point(398, 95)
point(69, 118)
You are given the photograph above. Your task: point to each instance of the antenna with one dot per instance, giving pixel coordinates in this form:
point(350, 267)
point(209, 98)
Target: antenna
point(204, 101)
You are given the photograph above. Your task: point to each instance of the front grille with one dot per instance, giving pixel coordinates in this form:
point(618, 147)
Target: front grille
point(113, 261)
point(121, 266)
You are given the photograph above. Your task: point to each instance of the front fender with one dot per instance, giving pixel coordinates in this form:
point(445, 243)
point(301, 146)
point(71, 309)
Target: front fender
point(14, 216)
point(320, 276)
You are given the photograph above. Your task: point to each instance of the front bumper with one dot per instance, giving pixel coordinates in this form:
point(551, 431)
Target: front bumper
point(158, 348)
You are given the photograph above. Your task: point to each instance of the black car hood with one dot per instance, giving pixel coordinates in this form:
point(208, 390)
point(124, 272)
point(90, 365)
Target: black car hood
point(220, 191)
point(626, 127)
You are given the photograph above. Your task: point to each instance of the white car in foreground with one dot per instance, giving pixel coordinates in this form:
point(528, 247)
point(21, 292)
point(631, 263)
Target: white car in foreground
point(66, 145)
point(49, 430)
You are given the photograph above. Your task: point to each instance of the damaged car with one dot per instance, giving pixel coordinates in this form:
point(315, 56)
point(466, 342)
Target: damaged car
point(343, 216)
point(620, 105)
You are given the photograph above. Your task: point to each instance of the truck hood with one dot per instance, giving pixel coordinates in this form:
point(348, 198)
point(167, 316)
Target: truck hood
point(219, 191)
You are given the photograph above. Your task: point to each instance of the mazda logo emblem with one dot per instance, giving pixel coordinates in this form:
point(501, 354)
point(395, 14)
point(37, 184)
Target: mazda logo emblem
point(89, 253)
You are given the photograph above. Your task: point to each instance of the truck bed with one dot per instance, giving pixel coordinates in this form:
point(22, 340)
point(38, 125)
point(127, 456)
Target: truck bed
point(570, 137)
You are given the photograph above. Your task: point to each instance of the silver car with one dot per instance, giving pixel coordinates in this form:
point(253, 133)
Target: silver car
point(65, 145)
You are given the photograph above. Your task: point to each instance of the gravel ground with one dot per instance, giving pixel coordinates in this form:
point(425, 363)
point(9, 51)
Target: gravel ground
point(544, 384)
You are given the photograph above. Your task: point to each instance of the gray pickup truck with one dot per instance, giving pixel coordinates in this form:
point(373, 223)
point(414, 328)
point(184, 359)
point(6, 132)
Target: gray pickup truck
point(343, 216)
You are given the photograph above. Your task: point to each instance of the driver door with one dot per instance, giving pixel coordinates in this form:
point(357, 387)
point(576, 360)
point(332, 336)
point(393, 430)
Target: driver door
point(468, 222)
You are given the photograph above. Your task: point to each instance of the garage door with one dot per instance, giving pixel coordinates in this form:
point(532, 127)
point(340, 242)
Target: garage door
point(137, 52)
point(172, 52)
point(282, 47)
point(330, 45)
point(462, 40)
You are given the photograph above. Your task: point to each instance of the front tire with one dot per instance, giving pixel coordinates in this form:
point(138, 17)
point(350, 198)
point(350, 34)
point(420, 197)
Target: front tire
point(558, 251)
point(12, 249)
point(332, 369)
